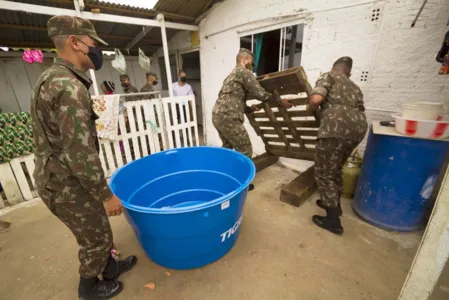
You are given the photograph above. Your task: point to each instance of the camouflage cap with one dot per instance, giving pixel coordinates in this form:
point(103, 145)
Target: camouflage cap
point(346, 60)
point(69, 25)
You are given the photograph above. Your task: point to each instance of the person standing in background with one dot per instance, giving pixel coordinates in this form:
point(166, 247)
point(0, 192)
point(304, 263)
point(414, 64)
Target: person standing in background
point(182, 88)
point(68, 175)
point(128, 88)
point(149, 86)
point(107, 87)
point(343, 126)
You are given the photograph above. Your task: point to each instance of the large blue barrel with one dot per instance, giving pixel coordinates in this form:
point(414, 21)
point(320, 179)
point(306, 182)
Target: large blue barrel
point(396, 180)
point(185, 205)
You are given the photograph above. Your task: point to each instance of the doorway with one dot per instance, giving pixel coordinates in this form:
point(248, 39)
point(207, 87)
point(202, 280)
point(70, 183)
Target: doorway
point(189, 62)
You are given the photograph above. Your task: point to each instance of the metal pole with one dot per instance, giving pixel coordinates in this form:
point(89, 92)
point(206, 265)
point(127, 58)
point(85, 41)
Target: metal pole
point(280, 49)
point(92, 72)
point(292, 52)
point(160, 18)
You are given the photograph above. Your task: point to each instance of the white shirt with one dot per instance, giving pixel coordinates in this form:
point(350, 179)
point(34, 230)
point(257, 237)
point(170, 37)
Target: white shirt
point(184, 90)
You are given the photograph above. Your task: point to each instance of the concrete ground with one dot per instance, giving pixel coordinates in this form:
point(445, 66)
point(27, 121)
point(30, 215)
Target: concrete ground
point(280, 254)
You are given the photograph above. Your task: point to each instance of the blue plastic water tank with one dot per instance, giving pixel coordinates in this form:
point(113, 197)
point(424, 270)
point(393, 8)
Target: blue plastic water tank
point(396, 180)
point(185, 205)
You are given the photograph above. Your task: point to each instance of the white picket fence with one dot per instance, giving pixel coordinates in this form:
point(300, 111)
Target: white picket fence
point(153, 127)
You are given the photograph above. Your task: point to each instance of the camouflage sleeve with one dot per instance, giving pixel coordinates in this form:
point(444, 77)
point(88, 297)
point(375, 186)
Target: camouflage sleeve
point(79, 138)
point(255, 90)
point(323, 85)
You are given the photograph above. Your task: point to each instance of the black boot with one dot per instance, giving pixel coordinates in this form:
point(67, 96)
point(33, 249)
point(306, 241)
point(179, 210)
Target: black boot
point(331, 222)
point(251, 187)
point(93, 288)
point(320, 204)
point(114, 269)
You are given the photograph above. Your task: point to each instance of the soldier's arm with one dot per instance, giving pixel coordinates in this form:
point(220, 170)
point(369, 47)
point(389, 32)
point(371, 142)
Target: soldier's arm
point(255, 90)
point(80, 153)
point(319, 93)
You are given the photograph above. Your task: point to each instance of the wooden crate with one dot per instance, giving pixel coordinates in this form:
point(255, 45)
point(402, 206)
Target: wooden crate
point(289, 133)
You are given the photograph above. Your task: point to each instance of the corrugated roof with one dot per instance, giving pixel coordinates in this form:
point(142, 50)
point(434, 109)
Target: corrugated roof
point(20, 29)
point(191, 8)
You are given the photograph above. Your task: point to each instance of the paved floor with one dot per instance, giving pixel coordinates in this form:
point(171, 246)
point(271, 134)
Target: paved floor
point(280, 255)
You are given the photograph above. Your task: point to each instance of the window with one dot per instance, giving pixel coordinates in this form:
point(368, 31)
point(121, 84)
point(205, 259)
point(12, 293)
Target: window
point(275, 50)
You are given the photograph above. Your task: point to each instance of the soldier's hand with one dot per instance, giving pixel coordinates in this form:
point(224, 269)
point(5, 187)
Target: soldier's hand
point(255, 107)
point(113, 206)
point(286, 103)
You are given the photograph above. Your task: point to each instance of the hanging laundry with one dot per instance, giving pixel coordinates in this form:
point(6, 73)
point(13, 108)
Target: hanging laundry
point(443, 55)
point(107, 109)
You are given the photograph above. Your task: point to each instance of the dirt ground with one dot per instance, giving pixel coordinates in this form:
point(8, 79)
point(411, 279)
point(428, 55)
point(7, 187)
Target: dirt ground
point(280, 254)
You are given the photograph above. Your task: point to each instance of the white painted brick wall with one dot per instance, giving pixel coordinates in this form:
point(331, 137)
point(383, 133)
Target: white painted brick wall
point(400, 59)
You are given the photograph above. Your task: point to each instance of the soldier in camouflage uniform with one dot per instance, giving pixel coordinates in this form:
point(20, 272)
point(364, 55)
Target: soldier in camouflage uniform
point(68, 174)
point(343, 126)
point(229, 110)
point(149, 86)
point(128, 88)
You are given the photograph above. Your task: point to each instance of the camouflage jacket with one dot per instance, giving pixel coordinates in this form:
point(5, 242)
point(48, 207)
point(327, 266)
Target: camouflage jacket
point(342, 111)
point(239, 86)
point(64, 131)
point(147, 88)
point(129, 90)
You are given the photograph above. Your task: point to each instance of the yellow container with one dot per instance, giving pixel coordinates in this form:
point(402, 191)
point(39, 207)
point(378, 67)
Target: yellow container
point(351, 173)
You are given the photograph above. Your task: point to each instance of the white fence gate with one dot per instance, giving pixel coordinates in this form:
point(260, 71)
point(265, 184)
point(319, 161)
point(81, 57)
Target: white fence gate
point(154, 125)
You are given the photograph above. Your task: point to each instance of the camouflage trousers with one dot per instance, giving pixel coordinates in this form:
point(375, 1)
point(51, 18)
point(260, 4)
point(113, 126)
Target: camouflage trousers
point(331, 154)
point(233, 135)
point(87, 220)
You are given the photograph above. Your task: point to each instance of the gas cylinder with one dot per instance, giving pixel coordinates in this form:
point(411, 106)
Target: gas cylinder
point(351, 172)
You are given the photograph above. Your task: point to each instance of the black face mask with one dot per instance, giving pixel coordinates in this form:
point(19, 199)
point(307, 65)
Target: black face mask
point(183, 79)
point(125, 85)
point(154, 82)
point(95, 55)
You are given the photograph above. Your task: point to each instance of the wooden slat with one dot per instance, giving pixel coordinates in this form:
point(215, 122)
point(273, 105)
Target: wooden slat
point(133, 133)
point(304, 124)
point(285, 82)
point(292, 154)
point(125, 140)
point(299, 189)
point(286, 131)
point(264, 161)
point(302, 78)
point(292, 141)
point(109, 158)
point(16, 167)
point(278, 114)
point(141, 130)
point(275, 124)
point(291, 126)
point(150, 131)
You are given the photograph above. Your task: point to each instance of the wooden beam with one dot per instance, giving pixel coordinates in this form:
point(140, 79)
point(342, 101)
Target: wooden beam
point(298, 155)
point(264, 161)
point(301, 132)
point(297, 191)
